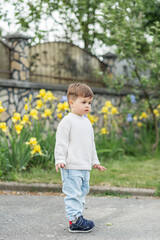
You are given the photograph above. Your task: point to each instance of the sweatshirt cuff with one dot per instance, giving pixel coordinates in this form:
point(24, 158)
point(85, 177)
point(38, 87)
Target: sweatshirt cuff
point(95, 162)
point(59, 161)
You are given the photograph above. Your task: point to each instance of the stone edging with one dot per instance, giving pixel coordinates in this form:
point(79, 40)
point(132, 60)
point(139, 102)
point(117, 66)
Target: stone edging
point(42, 187)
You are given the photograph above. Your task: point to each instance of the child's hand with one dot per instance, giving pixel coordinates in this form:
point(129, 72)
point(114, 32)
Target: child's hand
point(99, 167)
point(60, 165)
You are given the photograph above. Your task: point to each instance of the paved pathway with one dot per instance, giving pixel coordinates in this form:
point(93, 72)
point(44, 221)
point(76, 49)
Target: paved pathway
point(29, 217)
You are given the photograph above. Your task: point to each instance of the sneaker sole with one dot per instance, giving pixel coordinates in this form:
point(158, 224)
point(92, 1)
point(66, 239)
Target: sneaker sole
point(79, 231)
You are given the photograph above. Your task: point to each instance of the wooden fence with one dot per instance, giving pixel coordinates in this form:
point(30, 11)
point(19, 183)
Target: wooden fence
point(4, 61)
point(63, 63)
point(50, 63)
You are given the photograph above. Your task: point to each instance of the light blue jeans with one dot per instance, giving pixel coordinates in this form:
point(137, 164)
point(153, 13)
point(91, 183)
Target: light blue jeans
point(75, 187)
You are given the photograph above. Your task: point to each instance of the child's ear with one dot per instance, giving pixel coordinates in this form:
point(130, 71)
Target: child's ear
point(70, 103)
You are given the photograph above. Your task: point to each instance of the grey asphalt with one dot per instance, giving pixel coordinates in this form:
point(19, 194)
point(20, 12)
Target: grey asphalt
point(30, 217)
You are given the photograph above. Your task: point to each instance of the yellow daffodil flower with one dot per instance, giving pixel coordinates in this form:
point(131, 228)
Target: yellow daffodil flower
point(156, 112)
point(16, 117)
point(105, 110)
point(66, 105)
point(103, 131)
point(0, 103)
point(108, 104)
point(143, 115)
point(2, 109)
point(114, 110)
point(105, 116)
point(42, 93)
point(59, 115)
point(37, 148)
point(49, 96)
point(30, 97)
point(62, 106)
point(139, 124)
point(39, 104)
point(3, 126)
point(26, 107)
point(93, 119)
point(34, 114)
point(47, 113)
point(135, 118)
point(18, 128)
point(32, 142)
point(25, 120)
point(158, 106)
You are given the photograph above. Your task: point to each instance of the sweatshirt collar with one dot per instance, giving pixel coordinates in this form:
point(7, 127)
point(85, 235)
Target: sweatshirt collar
point(76, 115)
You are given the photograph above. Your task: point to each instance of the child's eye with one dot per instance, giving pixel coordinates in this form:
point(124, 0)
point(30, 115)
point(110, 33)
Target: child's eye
point(84, 102)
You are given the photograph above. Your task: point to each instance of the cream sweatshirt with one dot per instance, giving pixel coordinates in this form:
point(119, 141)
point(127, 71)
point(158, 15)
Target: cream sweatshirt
point(75, 145)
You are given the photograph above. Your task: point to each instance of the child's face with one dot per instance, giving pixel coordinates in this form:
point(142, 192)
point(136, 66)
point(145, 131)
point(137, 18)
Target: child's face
point(81, 106)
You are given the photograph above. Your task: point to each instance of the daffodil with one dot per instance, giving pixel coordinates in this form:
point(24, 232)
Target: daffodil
point(30, 97)
point(32, 142)
point(135, 118)
point(59, 115)
point(93, 119)
point(156, 112)
point(105, 116)
point(49, 96)
point(158, 106)
point(66, 106)
point(25, 120)
point(18, 128)
point(139, 124)
point(143, 115)
point(39, 104)
point(3, 126)
point(16, 117)
point(108, 104)
point(103, 131)
point(2, 109)
point(36, 149)
point(62, 106)
point(34, 114)
point(105, 110)
point(47, 113)
point(26, 107)
point(114, 110)
point(42, 93)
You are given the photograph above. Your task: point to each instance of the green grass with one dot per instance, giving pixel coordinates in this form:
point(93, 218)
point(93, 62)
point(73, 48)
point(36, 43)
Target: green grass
point(125, 172)
point(129, 172)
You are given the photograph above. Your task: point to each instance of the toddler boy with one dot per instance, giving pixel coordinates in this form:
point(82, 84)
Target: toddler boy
point(75, 154)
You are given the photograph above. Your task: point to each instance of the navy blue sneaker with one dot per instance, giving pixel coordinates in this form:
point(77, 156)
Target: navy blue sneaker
point(81, 225)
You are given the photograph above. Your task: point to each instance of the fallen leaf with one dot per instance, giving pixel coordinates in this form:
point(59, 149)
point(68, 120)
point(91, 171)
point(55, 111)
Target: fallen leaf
point(109, 224)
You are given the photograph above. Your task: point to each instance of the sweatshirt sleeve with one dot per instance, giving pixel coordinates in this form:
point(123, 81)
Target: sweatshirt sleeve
point(62, 141)
point(95, 159)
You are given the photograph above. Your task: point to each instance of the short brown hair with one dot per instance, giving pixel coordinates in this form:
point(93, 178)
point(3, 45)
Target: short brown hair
point(79, 90)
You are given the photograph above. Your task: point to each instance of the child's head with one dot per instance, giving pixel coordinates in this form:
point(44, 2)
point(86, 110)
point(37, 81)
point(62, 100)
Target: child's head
point(79, 90)
point(80, 98)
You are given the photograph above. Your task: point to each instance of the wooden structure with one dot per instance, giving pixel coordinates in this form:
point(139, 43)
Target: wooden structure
point(4, 61)
point(50, 63)
point(63, 63)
